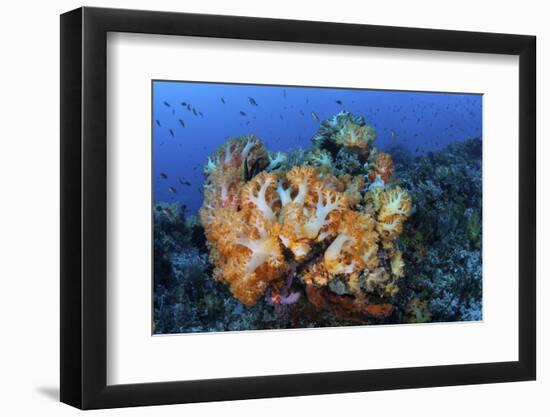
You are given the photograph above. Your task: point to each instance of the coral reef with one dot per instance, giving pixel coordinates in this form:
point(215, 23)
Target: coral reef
point(442, 238)
point(306, 216)
point(337, 234)
point(344, 130)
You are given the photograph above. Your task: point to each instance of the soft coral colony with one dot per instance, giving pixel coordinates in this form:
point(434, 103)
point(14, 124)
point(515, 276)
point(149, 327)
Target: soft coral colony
point(271, 225)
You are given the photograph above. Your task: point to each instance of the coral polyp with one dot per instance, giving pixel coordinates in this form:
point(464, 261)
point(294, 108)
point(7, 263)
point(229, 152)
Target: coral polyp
point(308, 216)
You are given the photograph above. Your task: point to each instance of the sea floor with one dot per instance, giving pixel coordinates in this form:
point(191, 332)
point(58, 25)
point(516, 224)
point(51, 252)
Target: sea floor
point(441, 247)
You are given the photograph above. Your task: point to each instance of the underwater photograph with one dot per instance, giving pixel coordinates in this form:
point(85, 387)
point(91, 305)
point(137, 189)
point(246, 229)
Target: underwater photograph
point(292, 207)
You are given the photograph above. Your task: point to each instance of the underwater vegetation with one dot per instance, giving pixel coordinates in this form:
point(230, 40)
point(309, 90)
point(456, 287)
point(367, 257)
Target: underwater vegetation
point(339, 233)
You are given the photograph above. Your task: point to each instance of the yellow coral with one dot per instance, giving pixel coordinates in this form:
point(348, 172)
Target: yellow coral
point(395, 208)
point(394, 202)
point(372, 197)
point(397, 265)
point(355, 136)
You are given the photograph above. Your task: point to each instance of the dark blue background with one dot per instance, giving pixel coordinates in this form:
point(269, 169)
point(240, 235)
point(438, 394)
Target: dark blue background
point(420, 122)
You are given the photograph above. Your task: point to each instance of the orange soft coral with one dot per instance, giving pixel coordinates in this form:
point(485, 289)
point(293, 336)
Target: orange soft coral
point(260, 194)
point(301, 180)
point(326, 225)
point(354, 187)
point(247, 223)
point(317, 274)
point(309, 210)
point(260, 263)
point(236, 151)
point(247, 254)
point(383, 167)
point(290, 230)
point(223, 173)
point(355, 246)
point(395, 208)
point(328, 204)
point(355, 136)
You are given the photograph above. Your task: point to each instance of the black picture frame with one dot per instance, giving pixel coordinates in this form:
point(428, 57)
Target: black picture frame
point(84, 207)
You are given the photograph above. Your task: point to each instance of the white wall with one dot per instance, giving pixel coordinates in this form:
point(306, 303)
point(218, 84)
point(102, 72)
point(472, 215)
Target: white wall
point(29, 109)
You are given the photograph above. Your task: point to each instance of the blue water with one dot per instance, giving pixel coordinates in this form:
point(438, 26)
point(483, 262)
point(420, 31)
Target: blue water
point(418, 122)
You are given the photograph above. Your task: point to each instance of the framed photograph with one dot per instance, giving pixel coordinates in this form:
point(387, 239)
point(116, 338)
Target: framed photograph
point(257, 208)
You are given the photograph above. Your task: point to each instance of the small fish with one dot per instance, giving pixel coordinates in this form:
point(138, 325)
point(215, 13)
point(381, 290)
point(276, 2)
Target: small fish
point(163, 175)
point(172, 190)
point(223, 101)
point(417, 149)
point(284, 93)
point(315, 117)
point(183, 182)
point(194, 111)
point(189, 107)
point(181, 123)
point(171, 132)
point(252, 101)
point(242, 113)
point(166, 104)
point(392, 134)
point(158, 123)
point(339, 102)
point(200, 114)
point(183, 103)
